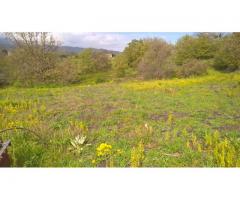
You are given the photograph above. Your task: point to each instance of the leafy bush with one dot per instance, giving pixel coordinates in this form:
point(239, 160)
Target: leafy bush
point(120, 66)
point(4, 75)
point(228, 55)
point(33, 58)
point(192, 67)
point(90, 61)
point(125, 64)
point(153, 63)
point(64, 73)
point(195, 47)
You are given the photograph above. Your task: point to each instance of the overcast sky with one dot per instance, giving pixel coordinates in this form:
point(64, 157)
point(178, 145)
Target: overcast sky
point(112, 41)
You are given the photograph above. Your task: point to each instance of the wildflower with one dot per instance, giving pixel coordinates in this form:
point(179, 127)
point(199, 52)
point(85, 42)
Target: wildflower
point(78, 143)
point(11, 109)
point(104, 149)
point(137, 155)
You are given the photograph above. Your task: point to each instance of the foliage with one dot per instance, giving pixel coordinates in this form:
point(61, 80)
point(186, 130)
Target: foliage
point(34, 57)
point(153, 63)
point(36, 62)
point(192, 67)
point(120, 66)
point(64, 73)
point(90, 61)
point(125, 64)
point(228, 55)
point(137, 155)
point(195, 47)
point(4, 73)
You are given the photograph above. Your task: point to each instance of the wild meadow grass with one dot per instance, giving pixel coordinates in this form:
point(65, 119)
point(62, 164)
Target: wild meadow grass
point(192, 122)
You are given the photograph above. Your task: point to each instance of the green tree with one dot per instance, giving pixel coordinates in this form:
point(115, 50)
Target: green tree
point(34, 57)
point(91, 61)
point(228, 55)
point(4, 73)
point(126, 63)
point(201, 46)
point(154, 63)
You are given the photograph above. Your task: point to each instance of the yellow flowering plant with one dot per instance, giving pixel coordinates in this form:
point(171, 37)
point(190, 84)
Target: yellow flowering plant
point(137, 155)
point(104, 149)
point(104, 155)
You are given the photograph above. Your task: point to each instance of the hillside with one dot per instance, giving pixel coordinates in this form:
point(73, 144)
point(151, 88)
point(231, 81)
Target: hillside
point(167, 123)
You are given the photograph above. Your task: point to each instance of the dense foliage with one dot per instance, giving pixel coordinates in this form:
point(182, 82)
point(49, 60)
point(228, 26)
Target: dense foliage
point(228, 54)
point(195, 47)
point(36, 61)
point(154, 62)
point(90, 61)
point(4, 75)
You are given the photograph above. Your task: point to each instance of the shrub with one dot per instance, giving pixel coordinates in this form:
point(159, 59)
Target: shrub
point(227, 57)
point(4, 75)
point(90, 61)
point(120, 66)
point(34, 56)
point(125, 64)
point(192, 67)
point(195, 47)
point(153, 63)
point(64, 73)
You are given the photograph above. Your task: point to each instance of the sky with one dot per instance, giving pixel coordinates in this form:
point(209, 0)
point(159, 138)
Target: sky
point(112, 40)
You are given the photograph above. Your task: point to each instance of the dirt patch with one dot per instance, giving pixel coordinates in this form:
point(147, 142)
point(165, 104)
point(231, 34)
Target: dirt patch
point(229, 127)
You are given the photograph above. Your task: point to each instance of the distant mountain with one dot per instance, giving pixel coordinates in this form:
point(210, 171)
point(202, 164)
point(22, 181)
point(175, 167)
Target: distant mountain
point(106, 51)
point(69, 49)
point(4, 43)
point(72, 50)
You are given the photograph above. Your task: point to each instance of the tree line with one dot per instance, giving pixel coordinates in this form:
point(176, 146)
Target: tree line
point(35, 59)
point(191, 55)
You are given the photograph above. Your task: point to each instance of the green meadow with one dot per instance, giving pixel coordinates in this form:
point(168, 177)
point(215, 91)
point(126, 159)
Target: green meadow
point(191, 122)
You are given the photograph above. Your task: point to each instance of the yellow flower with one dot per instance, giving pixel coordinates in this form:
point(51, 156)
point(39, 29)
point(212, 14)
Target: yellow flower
point(104, 149)
point(93, 161)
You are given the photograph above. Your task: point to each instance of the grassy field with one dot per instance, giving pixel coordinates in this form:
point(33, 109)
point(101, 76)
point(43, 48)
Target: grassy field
point(191, 122)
